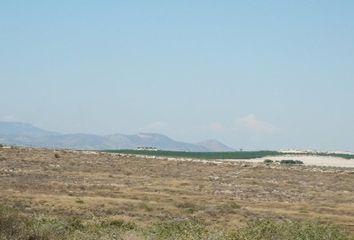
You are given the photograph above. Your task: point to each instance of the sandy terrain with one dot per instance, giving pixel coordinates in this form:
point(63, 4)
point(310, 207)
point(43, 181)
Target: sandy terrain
point(312, 160)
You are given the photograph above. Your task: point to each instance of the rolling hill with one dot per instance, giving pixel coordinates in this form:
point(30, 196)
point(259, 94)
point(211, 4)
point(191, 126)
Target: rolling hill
point(24, 134)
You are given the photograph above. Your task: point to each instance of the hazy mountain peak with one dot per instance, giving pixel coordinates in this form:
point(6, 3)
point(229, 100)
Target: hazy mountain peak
point(215, 146)
point(22, 129)
point(150, 135)
point(155, 135)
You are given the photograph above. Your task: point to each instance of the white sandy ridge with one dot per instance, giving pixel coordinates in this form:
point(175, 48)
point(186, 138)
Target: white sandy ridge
point(314, 160)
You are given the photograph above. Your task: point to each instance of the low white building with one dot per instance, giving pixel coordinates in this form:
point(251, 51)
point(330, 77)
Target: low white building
point(147, 149)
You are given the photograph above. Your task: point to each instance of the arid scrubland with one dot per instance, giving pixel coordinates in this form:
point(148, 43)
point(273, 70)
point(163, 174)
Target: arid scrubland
point(131, 192)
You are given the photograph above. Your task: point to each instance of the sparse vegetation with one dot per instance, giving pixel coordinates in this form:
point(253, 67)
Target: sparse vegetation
point(14, 226)
point(180, 229)
point(289, 230)
point(114, 196)
point(124, 225)
point(229, 207)
point(188, 207)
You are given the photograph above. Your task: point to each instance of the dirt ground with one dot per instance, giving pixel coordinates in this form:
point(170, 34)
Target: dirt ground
point(144, 190)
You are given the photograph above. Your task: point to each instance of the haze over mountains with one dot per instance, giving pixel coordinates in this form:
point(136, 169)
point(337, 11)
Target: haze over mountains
point(24, 134)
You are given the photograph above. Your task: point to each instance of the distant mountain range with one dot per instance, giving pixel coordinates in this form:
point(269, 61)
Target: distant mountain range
point(24, 134)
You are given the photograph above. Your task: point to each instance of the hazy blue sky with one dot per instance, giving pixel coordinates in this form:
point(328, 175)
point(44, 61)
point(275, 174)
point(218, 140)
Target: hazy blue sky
point(253, 74)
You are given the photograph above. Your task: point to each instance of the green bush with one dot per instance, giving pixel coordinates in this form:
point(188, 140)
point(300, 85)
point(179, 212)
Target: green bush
point(295, 162)
point(79, 201)
point(123, 225)
point(268, 161)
